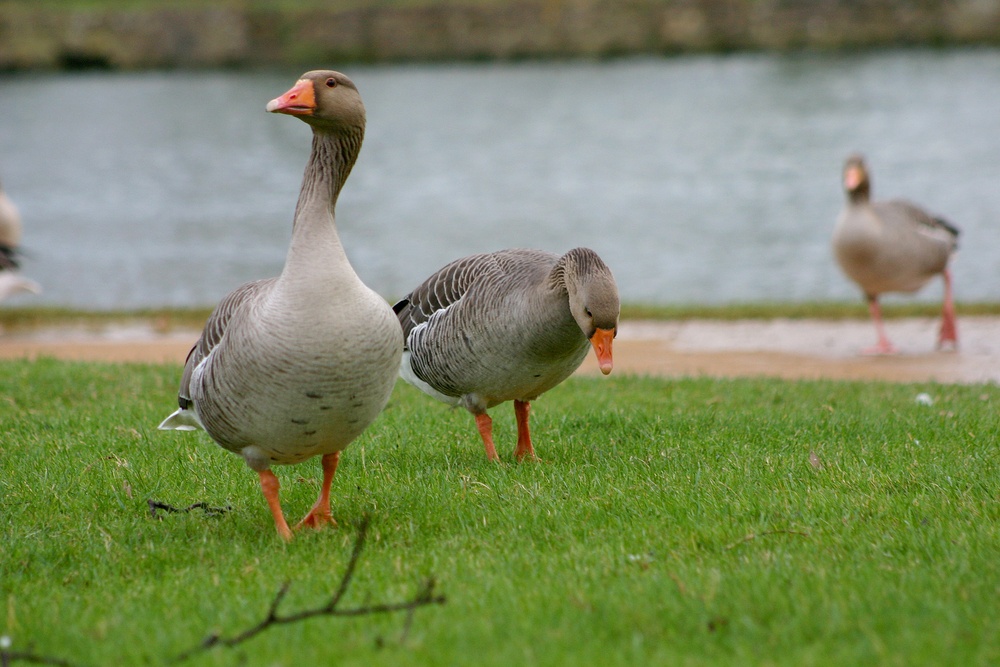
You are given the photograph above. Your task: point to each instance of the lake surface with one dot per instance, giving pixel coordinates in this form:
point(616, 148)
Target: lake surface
point(708, 179)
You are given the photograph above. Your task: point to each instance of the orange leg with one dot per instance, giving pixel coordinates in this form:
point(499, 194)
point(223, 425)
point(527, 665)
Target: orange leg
point(949, 331)
point(883, 346)
point(320, 515)
point(269, 485)
point(524, 448)
point(485, 426)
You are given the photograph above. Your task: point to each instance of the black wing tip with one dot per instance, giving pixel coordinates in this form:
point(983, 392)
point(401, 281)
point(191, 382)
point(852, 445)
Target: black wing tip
point(400, 305)
point(950, 227)
point(9, 257)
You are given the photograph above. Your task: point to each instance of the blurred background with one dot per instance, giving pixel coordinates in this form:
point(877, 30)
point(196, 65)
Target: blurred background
point(697, 146)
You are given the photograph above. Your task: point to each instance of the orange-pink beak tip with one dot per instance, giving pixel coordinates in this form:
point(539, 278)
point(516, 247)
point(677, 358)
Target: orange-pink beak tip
point(300, 100)
point(852, 179)
point(601, 341)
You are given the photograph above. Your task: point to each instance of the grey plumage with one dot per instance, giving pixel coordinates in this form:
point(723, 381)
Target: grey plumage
point(297, 366)
point(891, 246)
point(507, 325)
point(11, 281)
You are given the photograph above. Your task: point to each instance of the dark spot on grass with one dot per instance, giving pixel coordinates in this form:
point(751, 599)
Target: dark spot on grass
point(717, 623)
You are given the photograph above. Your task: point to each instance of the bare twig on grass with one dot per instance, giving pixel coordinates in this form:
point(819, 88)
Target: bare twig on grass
point(8, 658)
point(205, 507)
point(750, 537)
point(424, 596)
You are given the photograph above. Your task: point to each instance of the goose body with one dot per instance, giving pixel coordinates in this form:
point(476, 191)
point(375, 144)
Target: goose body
point(11, 280)
point(507, 326)
point(297, 366)
point(892, 246)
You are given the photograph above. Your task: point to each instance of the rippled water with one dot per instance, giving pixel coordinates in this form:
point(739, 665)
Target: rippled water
point(698, 179)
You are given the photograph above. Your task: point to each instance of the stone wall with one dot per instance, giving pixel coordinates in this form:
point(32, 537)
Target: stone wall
point(40, 35)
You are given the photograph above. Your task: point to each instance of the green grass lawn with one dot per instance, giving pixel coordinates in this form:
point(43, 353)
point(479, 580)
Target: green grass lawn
point(690, 522)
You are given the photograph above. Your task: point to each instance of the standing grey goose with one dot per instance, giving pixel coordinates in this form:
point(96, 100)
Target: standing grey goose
point(892, 246)
point(507, 325)
point(297, 366)
point(11, 280)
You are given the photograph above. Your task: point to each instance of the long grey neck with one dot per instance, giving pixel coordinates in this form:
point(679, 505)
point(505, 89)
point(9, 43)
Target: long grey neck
point(330, 163)
point(571, 266)
point(315, 247)
point(557, 277)
point(860, 194)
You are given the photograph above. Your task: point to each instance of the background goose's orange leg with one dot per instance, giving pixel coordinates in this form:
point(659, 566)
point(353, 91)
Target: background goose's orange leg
point(949, 331)
point(320, 515)
point(524, 449)
point(884, 345)
point(269, 485)
point(485, 426)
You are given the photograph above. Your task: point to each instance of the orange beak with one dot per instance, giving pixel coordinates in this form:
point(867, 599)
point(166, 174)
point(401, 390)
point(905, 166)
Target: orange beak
point(299, 101)
point(601, 340)
point(853, 178)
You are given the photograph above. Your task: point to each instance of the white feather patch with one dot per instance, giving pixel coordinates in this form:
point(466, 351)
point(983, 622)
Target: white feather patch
point(406, 372)
point(182, 420)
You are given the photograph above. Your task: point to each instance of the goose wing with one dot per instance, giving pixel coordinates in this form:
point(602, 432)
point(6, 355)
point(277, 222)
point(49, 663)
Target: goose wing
point(442, 290)
point(902, 212)
point(215, 330)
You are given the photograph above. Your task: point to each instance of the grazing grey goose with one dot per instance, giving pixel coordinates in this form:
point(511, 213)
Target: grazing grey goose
point(297, 366)
point(892, 246)
point(507, 325)
point(11, 280)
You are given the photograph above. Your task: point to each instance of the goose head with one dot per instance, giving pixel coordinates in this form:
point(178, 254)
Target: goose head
point(857, 182)
point(323, 98)
point(594, 303)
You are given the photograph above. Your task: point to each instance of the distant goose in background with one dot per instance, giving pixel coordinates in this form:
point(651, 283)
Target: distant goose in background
point(11, 281)
point(507, 325)
point(892, 246)
point(298, 366)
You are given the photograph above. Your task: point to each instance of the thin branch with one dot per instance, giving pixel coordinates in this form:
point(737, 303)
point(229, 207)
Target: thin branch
point(424, 596)
point(10, 657)
point(427, 593)
point(750, 537)
point(359, 544)
point(205, 507)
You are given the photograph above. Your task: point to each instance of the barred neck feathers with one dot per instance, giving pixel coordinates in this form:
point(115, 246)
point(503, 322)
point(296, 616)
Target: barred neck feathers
point(330, 163)
point(576, 263)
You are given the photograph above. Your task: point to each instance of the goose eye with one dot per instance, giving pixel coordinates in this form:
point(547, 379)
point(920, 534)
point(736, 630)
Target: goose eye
point(587, 310)
point(331, 83)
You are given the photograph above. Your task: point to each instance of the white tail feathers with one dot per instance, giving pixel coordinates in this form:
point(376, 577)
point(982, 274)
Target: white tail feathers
point(182, 420)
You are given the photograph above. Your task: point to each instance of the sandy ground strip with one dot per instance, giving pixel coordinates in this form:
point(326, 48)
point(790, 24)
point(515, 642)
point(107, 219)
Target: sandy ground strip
point(807, 349)
point(791, 349)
